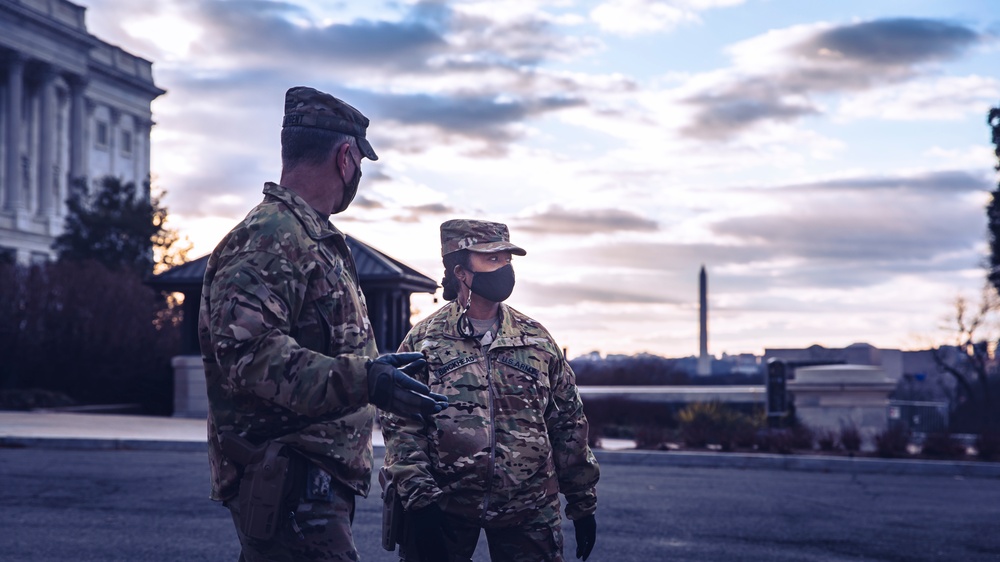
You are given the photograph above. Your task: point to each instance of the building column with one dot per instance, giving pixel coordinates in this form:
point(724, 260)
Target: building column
point(78, 126)
point(47, 180)
point(143, 140)
point(113, 141)
point(15, 102)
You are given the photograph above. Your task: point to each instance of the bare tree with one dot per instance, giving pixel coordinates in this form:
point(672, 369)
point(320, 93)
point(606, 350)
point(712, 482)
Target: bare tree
point(975, 329)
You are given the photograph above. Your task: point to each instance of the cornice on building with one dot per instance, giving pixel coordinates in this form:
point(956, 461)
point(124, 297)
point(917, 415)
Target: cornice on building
point(124, 68)
point(61, 16)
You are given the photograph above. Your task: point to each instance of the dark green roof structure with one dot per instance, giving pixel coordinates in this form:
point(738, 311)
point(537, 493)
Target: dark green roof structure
point(386, 282)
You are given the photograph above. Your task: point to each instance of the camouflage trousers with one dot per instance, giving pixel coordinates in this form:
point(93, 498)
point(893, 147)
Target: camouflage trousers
point(318, 531)
point(536, 539)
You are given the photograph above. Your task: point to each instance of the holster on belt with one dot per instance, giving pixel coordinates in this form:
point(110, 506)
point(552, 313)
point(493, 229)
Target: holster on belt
point(267, 484)
point(392, 511)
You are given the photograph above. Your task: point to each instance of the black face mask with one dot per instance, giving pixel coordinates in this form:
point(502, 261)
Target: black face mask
point(350, 190)
point(494, 286)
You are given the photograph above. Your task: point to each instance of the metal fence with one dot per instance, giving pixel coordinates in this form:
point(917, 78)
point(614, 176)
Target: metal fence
point(918, 417)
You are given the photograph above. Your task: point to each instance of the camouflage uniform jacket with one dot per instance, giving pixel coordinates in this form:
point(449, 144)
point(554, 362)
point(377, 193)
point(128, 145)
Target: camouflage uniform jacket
point(513, 436)
point(285, 335)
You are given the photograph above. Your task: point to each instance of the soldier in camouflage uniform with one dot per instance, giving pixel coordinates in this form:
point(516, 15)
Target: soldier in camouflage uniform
point(289, 352)
point(514, 434)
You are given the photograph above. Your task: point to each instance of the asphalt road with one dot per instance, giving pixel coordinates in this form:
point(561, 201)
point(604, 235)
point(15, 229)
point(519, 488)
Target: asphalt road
point(152, 506)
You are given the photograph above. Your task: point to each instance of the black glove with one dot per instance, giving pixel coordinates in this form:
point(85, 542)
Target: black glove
point(390, 387)
point(586, 535)
point(431, 533)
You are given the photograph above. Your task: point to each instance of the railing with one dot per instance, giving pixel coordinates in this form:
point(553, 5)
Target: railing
point(918, 416)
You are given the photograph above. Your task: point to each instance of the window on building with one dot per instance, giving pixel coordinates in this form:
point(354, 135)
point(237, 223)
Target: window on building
point(127, 143)
point(101, 134)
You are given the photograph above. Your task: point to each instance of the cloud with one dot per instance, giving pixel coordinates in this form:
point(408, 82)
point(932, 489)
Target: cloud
point(777, 75)
point(890, 42)
point(636, 17)
point(545, 294)
point(464, 75)
point(944, 182)
point(483, 117)
point(665, 256)
point(557, 220)
point(282, 33)
point(366, 203)
point(905, 219)
point(725, 115)
point(938, 98)
point(833, 234)
point(851, 235)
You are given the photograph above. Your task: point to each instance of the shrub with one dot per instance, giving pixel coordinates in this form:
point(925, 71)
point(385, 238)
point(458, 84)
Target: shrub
point(828, 440)
point(988, 445)
point(892, 442)
point(652, 437)
point(32, 398)
point(943, 446)
point(775, 441)
point(802, 437)
point(82, 330)
point(745, 434)
point(850, 438)
point(714, 423)
point(620, 417)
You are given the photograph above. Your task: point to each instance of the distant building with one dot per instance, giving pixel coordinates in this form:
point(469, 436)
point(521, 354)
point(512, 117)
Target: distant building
point(71, 107)
point(891, 360)
point(742, 363)
point(917, 372)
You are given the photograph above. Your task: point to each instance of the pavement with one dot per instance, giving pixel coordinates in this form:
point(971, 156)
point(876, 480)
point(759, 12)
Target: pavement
point(61, 430)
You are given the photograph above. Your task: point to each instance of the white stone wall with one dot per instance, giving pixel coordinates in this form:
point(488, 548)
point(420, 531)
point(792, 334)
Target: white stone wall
point(62, 92)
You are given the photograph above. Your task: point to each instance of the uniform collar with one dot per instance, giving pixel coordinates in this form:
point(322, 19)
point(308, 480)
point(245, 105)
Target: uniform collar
point(317, 226)
point(508, 334)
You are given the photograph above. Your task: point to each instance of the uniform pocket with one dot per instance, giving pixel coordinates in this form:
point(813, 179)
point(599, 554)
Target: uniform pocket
point(523, 374)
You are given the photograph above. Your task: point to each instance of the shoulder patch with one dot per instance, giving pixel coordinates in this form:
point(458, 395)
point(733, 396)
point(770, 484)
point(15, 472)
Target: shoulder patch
point(523, 367)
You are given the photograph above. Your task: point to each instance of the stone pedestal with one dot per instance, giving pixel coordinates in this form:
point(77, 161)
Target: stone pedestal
point(831, 396)
point(190, 395)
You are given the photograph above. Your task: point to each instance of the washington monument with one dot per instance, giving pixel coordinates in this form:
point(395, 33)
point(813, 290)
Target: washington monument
point(704, 359)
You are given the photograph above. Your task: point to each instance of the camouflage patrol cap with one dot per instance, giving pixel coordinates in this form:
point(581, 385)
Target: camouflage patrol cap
point(308, 107)
point(476, 236)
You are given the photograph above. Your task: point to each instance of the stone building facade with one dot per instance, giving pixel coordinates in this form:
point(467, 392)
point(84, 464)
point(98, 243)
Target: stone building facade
point(71, 107)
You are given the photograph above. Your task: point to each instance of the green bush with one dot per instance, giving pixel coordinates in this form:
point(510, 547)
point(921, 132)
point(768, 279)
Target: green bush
point(942, 445)
point(96, 335)
point(775, 440)
point(619, 417)
point(828, 440)
point(851, 438)
point(802, 437)
point(988, 445)
point(892, 442)
point(653, 437)
point(713, 423)
point(32, 398)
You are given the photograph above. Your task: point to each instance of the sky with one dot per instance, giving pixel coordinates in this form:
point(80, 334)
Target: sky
point(828, 163)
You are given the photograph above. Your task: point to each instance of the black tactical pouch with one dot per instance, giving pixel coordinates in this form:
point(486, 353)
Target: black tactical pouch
point(267, 487)
point(392, 512)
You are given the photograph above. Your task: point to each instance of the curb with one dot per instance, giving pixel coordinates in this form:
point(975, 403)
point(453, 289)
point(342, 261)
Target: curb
point(91, 444)
point(802, 463)
point(685, 459)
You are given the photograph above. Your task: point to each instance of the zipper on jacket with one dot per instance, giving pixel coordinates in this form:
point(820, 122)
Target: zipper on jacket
point(493, 436)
